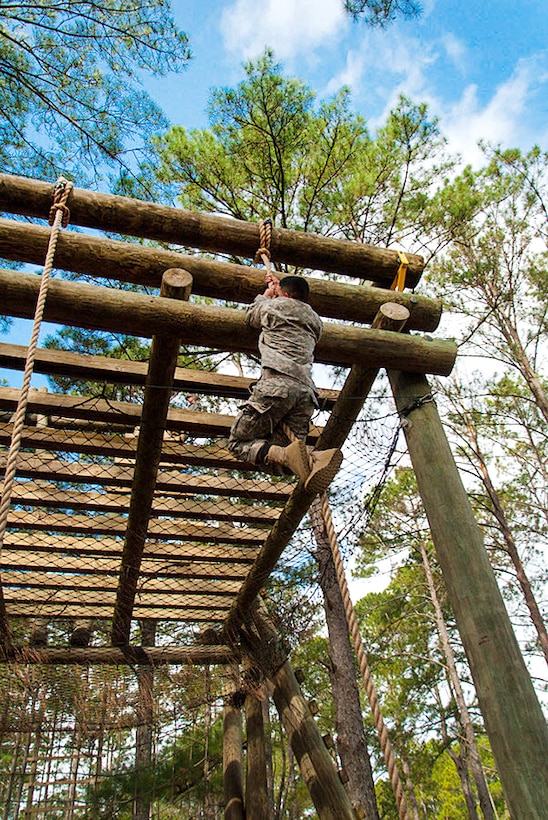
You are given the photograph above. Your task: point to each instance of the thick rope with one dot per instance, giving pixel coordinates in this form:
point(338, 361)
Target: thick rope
point(359, 649)
point(265, 238)
point(361, 655)
point(59, 217)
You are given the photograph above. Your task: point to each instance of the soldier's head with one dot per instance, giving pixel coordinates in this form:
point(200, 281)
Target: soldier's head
point(295, 287)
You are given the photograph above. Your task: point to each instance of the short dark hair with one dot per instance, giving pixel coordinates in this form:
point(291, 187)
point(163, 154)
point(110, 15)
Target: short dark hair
point(296, 286)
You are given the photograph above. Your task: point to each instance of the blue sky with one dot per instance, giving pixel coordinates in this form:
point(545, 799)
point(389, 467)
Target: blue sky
point(481, 67)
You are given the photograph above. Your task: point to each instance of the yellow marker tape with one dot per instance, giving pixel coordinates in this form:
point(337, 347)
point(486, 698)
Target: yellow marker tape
point(399, 279)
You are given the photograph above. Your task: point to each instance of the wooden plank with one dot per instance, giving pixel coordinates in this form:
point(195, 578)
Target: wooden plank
point(15, 560)
point(107, 597)
point(181, 553)
point(132, 655)
point(123, 371)
point(118, 447)
point(142, 265)
point(34, 494)
point(114, 524)
point(95, 409)
point(101, 611)
point(29, 466)
point(133, 217)
point(216, 593)
point(95, 308)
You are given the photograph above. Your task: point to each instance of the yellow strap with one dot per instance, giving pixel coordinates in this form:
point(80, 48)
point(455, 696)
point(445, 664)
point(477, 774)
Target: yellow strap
point(399, 279)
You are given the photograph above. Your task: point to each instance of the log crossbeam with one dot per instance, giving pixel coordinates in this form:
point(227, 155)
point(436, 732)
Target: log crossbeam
point(176, 284)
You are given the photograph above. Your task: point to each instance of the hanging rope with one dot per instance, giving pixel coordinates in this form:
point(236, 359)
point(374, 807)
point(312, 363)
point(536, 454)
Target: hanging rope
point(58, 217)
point(265, 238)
point(382, 732)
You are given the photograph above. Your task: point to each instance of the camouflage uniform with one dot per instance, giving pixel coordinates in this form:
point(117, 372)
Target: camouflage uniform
point(285, 393)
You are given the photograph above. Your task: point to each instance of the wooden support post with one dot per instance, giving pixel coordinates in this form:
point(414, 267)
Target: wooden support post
point(233, 779)
point(96, 308)
point(317, 767)
point(134, 217)
point(141, 265)
point(176, 284)
point(513, 717)
point(256, 796)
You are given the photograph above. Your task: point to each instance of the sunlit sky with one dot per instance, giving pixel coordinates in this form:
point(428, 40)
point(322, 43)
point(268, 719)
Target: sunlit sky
point(481, 67)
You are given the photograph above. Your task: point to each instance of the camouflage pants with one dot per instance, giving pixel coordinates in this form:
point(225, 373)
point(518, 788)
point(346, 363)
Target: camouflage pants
point(275, 400)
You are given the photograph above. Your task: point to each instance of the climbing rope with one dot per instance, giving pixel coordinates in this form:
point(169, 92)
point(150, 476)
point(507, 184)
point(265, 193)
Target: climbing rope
point(361, 655)
point(265, 238)
point(386, 747)
point(58, 217)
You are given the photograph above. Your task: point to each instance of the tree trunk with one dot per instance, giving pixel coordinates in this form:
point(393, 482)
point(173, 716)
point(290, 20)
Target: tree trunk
point(473, 756)
point(143, 737)
point(351, 739)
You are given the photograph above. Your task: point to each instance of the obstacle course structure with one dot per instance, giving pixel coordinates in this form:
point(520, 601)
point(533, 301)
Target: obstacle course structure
point(123, 511)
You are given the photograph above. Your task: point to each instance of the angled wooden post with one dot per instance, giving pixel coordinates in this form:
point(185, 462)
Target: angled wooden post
point(176, 284)
point(513, 716)
point(233, 778)
point(256, 793)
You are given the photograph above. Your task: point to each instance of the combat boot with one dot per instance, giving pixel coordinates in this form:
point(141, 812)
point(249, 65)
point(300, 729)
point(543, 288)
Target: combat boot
point(325, 465)
point(294, 457)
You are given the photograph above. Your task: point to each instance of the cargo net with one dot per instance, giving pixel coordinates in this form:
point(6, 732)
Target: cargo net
point(90, 740)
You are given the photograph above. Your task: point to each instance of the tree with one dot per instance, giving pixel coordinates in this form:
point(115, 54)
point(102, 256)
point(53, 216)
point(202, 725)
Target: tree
point(381, 12)
point(268, 153)
point(493, 275)
point(70, 93)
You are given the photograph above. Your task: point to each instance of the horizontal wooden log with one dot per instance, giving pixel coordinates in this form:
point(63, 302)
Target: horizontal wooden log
point(97, 308)
point(129, 655)
point(123, 371)
point(40, 495)
point(117, 525)
point(141, 265)
point(179, 556)
point(132, 217)
point(171, 481)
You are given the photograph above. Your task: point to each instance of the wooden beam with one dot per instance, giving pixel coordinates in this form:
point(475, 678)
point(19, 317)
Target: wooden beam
point(32, 494)
point(134, 217)
point(169, 481)
point(161, 584)
point(182, 554)
point(256, 796)
point(123, 371)
point(164, 352)
point(513, 717)
point(95, 308)
point(20, 560)
point(129, 655)
point(117, 525)
point(103, 611)
point(105, 597)
point(141, 265)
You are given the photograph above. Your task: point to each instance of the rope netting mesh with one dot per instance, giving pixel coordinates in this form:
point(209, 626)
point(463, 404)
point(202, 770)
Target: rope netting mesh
point(70, 735)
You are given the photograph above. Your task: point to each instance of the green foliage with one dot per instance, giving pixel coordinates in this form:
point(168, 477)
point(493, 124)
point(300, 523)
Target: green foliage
point(381, 12)
point(269, 152)
point(70, 94)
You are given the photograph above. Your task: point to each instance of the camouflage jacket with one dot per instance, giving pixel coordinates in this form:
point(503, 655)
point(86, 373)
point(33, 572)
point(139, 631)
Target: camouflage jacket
point(290, 330)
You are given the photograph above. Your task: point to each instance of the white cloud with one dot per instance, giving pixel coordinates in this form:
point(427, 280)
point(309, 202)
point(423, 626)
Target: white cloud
point(503, 120)
point(289, 27)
